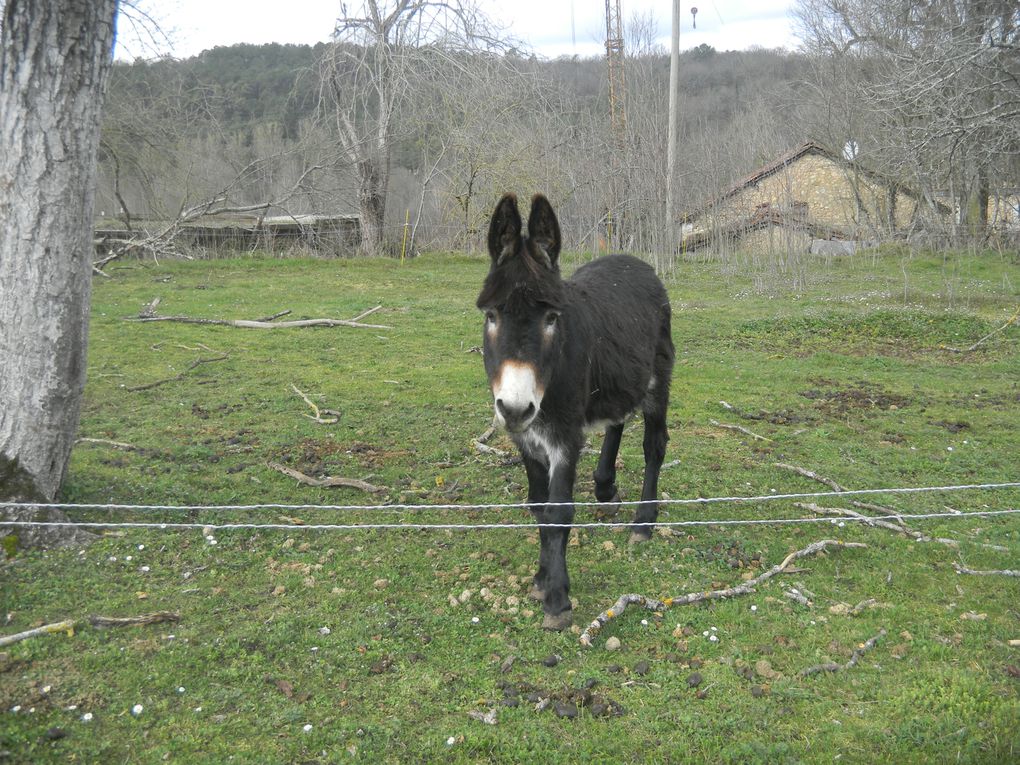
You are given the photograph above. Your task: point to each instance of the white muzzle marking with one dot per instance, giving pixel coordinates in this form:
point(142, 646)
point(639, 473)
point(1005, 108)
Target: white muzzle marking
point(517, 395)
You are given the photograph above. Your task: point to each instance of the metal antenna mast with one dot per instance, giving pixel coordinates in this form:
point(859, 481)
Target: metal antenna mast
point(617, 114)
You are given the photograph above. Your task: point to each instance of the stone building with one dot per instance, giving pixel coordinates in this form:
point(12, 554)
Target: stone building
point(807, 196)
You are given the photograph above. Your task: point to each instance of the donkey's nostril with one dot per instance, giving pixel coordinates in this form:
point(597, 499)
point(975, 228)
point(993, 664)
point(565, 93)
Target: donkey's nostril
point(514, 416)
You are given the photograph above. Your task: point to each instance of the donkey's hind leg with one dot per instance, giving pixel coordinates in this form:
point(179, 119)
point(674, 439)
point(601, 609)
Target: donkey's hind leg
point(655, 405)
point(656, 436)
point(605, 471)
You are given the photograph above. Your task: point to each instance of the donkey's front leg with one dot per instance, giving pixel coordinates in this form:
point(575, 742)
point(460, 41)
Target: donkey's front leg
point(553, 558)
point(538, 495)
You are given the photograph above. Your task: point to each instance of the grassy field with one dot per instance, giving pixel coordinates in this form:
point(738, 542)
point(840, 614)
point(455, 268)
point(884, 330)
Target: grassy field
point(311, 646)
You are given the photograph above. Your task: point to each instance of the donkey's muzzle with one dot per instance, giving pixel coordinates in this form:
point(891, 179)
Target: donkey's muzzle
point(517, 394)
point(515, 417)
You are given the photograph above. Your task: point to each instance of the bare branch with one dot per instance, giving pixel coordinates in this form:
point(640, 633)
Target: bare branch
point(697, 597)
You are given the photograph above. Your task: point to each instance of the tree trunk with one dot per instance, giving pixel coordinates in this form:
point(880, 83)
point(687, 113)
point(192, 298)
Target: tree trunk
point(373, 182)
point(55, 56)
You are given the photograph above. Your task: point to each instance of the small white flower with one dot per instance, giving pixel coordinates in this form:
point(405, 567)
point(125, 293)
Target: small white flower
point(127, 558)
point(949, 448)
point(198, 709)
point(145, 569)
point(715, 629)
point(16, 708)
point(475, 620)
point(706, 633)
point(47, 688)
point(644, 622)
point(141, 547)
point(714, 638)
point(307, 728)
point(324, 630)
point(137, 709)
point(451, 741)
point(314, 648)
point(754, 608)
point(87, 717)
point(180, 689)
point(112, 559)
point(72, 707)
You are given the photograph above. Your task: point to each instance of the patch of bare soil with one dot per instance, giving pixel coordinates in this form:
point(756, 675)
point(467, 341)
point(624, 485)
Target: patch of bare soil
point(859, 396)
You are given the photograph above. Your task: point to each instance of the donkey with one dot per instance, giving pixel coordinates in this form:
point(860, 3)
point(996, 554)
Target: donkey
point(563, 356)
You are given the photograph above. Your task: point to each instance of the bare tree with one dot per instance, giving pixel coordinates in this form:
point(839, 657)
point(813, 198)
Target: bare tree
point(368, 75)
point(940, 83)
point(55, 56)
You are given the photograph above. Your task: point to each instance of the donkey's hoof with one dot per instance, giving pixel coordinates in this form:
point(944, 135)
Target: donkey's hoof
point(558, 622)
point(639, 537)
point(536, 593)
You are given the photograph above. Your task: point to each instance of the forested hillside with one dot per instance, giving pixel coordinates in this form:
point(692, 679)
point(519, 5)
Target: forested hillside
point(421, 147)
point(180, 131)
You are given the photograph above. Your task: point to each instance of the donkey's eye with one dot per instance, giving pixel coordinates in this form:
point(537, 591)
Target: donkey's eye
point(551, 318)
point(490, 316)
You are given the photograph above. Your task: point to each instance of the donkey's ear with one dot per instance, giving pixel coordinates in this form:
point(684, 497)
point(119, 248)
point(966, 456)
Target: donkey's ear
point(544, 229)
point(504, 229)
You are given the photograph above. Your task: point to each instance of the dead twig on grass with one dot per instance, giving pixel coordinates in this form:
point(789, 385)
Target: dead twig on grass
point(739, 429)
point(192, 365)
point(102, 622)
point(835, 487)
point(268, 322)
point(47, 629)
point(317, 417)
point(960, 569)
point(697, 597)
point(328, 482)
point(99, 622)
point(108, 442)
point(1012, 320)
point(482, 443)
point(855, 657)
point(898, 527)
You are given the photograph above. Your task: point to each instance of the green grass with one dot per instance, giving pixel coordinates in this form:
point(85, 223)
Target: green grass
point(850, 377)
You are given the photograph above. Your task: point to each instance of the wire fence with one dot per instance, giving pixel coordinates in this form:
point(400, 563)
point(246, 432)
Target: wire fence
point(405, 509)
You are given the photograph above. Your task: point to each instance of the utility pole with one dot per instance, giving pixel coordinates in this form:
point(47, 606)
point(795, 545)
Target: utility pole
point(671, 149)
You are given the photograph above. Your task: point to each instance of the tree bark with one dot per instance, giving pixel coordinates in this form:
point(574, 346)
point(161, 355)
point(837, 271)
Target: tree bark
point(55, 57)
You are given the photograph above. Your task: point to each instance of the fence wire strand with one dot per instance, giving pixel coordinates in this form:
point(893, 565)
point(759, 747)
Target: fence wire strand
point(404, 508)
point(407, 508)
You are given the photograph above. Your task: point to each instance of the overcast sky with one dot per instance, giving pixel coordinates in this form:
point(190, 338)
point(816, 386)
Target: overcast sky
point(551, 27)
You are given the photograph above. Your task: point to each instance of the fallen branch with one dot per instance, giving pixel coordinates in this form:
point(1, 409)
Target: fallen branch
point(482, 443)
point(1000, 572)
point(835, 487)
point(107, 442)
point(697, 597)
point(317, 417)
point(1012, 319)
point(101, 622)
point(739, 429)
point(899, 528)
point(328, 481)
point(854, 658)
point(47, 629)
point(68, 625)
point(268, 322)
point(192, 365)
point(149, 310)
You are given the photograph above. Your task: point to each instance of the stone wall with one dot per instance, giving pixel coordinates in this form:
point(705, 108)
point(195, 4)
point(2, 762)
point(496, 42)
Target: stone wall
point(820, 191)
